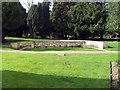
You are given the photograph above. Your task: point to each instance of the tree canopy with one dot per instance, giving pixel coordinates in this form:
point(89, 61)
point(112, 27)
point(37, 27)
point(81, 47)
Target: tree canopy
point(67, 20)
point(38, 20)
point(79, 18)
point(13, 16)
point(113, 17)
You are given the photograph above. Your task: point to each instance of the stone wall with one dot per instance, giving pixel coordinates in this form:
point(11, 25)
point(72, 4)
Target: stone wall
point(96, 44)
point(59, 43)
point(18, 45)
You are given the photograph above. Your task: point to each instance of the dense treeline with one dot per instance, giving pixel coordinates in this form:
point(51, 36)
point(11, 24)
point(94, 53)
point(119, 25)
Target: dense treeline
point(38, 20)
point(13, 19)
point(113, 21)
point(67, 20)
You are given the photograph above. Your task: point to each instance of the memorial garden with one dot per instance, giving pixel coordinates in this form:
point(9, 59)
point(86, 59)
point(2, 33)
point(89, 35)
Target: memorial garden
point(73, 45)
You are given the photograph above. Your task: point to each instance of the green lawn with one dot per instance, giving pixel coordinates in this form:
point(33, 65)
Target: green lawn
point(113, 45)
point(21, 39)
point(51, 70)
point(6, 47)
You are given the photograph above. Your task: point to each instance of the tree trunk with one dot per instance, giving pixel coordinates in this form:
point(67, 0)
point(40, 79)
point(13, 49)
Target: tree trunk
point(101, 35)
point(3, 34)
point(75, 36)
point(93, 35)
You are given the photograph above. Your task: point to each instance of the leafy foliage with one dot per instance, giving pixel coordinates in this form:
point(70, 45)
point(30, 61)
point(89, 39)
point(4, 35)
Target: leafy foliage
point(113, 18)
point(79, 19)
point(13, 16)
point(59, 18)
point(38, 20)
point(67, 20)
point(43, 19)
point(31, 20)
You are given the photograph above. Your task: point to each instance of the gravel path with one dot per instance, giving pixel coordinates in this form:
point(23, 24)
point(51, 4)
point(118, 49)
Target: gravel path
point(59, 52)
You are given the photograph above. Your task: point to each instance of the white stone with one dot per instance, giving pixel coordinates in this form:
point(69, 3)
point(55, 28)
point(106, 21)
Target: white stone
point(61, 54)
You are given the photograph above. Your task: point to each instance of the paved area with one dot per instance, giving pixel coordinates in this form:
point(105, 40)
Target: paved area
point(61, 52)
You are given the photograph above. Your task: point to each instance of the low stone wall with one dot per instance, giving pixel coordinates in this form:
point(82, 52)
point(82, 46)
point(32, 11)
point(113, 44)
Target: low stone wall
point(96, 44)
point(18, 45)
point(59, 43)
point(48, 44)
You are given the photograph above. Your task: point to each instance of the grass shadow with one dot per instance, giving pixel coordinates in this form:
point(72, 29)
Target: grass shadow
point(61, 49)
point(110, 47)
point(15, 79)
point(48, 49)
point(6, 47)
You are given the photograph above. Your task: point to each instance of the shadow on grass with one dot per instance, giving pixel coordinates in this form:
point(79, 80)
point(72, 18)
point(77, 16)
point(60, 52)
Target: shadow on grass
point(6, 47)
point(6, 44)
point(49, 49)
point(61, 49)
point(8, 41)
point(14, 79)
point(110, 47)
point(113, 48)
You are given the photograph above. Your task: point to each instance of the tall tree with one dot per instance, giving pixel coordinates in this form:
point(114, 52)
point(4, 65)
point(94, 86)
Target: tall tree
point(87, 18)
point(31, 21)
point(13, 16)
point(0, 12)
point(59, 18)
point(113, 18)
point(101, 24)
point(81, 18)
point(43, 19)
point(38, 20)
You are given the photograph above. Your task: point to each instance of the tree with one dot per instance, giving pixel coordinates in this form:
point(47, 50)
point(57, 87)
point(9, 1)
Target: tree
point(113, 18)
point(87, 18)
point(0, 13)
point(22, 30)
point(43, 19)
point(80, 17)
point(13, 16)
point(101, 24)
point(38, 20)
point(31, 21)
point(59, 19)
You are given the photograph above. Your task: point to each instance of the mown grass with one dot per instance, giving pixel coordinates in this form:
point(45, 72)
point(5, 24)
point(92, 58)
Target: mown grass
point(21, 39)
point(113, 45)
point(54, 71)
point(6, 47)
